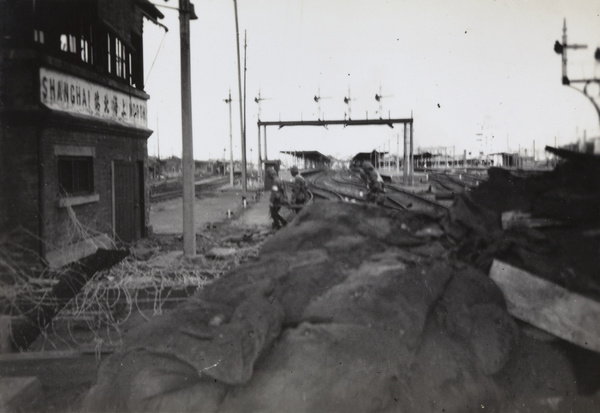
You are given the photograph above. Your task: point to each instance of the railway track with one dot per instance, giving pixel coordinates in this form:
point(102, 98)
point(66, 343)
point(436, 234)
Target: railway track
point(319, 190)
point(447, 185)
point(200, 187)
point(415, 202)
point(349, 187)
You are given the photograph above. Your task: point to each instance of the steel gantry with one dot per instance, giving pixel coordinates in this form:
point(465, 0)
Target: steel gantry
point(408, 134)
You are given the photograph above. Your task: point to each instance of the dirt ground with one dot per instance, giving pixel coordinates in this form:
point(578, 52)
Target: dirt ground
point(71, 347)
point(166, 216)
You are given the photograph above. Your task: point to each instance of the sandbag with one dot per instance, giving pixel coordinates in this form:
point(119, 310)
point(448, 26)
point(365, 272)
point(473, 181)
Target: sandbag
point(324, 368)
point(192, 351)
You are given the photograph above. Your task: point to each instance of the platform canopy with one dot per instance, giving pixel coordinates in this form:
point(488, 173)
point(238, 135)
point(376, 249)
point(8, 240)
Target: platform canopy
point(314, 157)
point(372, 157)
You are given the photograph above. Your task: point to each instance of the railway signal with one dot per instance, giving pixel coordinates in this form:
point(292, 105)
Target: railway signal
point(317, 98)
point(561, 49)
point(347, 100)
point(258, 100)
point(378, 98)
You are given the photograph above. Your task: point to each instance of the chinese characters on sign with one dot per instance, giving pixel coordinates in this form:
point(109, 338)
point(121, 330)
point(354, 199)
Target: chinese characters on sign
point(68, 93)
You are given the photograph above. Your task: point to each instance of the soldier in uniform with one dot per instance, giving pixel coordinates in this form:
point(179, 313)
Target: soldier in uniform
point(278, 199)
point(299, 190)
point(375, 187)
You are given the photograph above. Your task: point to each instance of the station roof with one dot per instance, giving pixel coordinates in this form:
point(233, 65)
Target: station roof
point(314, 156)
point(367, 156)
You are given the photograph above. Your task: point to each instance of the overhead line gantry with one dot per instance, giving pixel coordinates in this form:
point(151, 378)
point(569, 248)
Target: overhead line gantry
point(408, 137)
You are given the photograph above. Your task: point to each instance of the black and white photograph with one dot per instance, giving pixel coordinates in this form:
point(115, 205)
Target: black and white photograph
point(299, 206)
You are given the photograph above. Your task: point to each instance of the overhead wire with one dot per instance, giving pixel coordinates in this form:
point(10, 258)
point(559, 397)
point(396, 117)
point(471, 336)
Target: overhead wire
point(162, 41)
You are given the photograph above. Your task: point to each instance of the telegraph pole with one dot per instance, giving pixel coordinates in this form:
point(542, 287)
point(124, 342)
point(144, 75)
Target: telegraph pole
point(398, 153)
point(245, 162)
point(237, 37)
point(189, 230)
point(228, 101)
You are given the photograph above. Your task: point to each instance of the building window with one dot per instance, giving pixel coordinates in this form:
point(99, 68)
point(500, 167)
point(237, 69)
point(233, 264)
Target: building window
point(120, 59)
point(68, 43)
point(64, 43)
point(85, 50)
point(75, 175)
point(108, 55)
point(38, 36)
point(131, 81)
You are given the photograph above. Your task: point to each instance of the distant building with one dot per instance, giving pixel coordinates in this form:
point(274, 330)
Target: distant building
point(374, 157)
point(73, 116)
point(307, 159)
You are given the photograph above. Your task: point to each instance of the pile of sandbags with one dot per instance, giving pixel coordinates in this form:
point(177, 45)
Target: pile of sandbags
point(547, 224)
point(348, 309)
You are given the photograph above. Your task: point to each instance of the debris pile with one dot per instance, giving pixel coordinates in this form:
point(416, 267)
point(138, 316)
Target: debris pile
point(350, 308)
point(547, 224)
point(153, 278)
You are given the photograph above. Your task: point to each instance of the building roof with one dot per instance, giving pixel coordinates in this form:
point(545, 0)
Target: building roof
point(314, 156)
point(367, 156)
point(150, 10)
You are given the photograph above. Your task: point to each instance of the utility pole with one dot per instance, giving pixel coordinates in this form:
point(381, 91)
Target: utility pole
point(228, 101)
point(389, 154)
point(237, 37)
point(398, 153)
point(244, 133)
point(412, 159)
point(405, 159)
point(186, 12)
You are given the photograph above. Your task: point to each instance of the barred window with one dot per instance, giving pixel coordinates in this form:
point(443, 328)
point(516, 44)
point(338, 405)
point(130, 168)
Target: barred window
point(75, 175)
point(120, 59)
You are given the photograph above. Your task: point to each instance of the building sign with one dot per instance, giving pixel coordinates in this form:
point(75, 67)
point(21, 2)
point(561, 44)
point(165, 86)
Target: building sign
point(67, 93)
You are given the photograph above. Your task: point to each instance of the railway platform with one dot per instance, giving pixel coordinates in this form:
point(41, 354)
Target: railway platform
point(166, 216)
point(256, 211)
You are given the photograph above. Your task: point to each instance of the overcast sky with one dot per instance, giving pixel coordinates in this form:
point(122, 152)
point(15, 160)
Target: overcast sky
point(465, 69)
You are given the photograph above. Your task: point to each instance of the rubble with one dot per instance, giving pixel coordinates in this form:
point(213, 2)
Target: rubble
point(352, 308)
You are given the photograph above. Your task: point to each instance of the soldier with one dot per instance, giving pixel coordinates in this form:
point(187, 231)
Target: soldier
point(299, 190)
point(278, 199)
point(375, 187)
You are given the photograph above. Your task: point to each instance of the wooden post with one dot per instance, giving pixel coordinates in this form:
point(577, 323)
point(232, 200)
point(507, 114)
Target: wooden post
point(228, 100)
point(412, 167)
point(237, 37)
point(397, 153)
point(405, 158)
point(259, 154)
point(189, 198)
point(265, 140)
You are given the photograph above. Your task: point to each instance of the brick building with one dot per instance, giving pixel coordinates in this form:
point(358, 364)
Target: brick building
point(73, 152)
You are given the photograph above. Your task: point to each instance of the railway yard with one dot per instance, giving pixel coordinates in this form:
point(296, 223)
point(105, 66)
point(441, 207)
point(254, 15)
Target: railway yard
point(411, 306)
point(406, 217)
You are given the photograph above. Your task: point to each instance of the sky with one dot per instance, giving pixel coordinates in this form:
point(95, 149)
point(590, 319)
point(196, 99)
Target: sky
point(475, 75)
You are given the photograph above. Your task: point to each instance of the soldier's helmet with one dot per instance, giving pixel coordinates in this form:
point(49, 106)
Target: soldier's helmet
point(367, 166)
point(271, 173)
point(294, 170)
